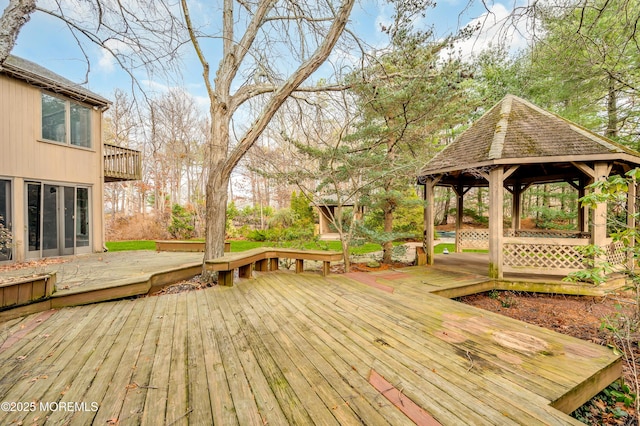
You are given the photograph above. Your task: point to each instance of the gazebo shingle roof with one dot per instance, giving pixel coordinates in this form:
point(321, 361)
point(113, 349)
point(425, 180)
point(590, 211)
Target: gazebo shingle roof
point(515, 130)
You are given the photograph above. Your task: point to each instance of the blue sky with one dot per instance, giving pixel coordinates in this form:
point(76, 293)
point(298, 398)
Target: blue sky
point(48, 42)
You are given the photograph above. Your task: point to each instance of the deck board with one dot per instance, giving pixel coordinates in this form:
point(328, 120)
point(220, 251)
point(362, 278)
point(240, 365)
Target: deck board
point(450, 371)
point(322, 402)
point(29, 367)
point(117, 374)
point(102, 347)
point(155, 405)
point(56, 374)
point(177, 408)
point(141, 365)
point(244, 404)
point(371, 336)
point(548, 379)
point(295, 349)
point(347, 403)
point(219, 393)
point(277, 384)
point(198, 390)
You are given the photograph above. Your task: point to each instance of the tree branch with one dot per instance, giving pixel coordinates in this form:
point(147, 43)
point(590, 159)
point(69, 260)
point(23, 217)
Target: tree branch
point(16, 14)
point(282, 93)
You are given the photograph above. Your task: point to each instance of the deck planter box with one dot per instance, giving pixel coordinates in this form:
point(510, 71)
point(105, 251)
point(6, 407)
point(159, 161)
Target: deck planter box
point(23, 290)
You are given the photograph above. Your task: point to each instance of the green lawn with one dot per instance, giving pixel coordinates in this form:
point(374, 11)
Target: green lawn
point(242, 245)
point(452, 249)
point(131, 245)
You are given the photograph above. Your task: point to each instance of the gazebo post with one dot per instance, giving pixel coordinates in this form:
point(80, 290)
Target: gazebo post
point(496, 226)
point(599, 232)
point(429, 213)
point(459, 190)
point(631, 220)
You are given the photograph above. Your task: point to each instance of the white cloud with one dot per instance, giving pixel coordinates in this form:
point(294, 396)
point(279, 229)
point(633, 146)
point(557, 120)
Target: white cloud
point(383, 19)
point(106, 62)
point(155, 86)
point(496, 27)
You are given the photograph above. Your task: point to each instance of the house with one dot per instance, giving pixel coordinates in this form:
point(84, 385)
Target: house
point(513, 146)
point(53, 163)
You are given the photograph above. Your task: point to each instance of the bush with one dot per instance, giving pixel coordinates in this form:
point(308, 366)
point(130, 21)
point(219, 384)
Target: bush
point(283, 218)
point(182, 222)
point(257, 235)
point(137, 227)
point(5, 236)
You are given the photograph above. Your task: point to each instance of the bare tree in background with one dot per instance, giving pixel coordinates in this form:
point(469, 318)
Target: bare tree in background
point(119, 129)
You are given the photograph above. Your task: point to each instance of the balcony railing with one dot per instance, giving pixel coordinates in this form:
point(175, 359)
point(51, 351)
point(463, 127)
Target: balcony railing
point(121, 164)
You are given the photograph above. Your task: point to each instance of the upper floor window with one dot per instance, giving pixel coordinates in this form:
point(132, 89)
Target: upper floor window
point(65, 121)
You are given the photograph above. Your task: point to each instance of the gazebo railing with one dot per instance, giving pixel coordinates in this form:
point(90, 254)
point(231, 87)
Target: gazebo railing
point(617, 253)
point(473, 239)
point(479, 238)
point(545, 233)
point(551, 252)
point(555, 256)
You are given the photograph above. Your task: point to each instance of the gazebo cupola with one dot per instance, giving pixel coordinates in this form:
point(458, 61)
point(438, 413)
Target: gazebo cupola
point(513, 146)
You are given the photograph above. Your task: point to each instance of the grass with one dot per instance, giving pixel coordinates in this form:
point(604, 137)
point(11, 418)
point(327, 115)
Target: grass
point(131, 245)
point(452, 249)
point(243, 245)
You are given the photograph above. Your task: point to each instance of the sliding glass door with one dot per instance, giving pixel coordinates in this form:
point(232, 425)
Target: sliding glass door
point(57, 220)
point(6, 236)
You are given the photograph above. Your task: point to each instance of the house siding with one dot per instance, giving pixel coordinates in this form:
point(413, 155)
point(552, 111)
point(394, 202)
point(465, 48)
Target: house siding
point(25, 157)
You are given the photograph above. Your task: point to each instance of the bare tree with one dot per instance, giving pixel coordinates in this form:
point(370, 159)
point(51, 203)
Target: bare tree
point(120, 128)
point(180, 142)
point(15, 15)
point(250, 32)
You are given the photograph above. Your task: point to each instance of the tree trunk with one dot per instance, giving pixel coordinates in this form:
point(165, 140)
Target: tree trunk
point(216, 213)
point(345, 255)
point(447, 207)
point(612, 110)
point(387, 246)
point(217, 184)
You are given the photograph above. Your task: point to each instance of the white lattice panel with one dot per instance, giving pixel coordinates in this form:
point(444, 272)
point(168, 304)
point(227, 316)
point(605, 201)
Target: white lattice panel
point(474, 238)
point(543, 256)
point(545, 233)
point(616, 253)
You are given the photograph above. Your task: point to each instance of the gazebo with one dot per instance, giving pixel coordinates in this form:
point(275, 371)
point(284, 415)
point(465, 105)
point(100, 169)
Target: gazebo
point(327, 211)
point(511, 147)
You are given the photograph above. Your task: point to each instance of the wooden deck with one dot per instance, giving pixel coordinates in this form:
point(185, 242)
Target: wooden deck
point(296, 349)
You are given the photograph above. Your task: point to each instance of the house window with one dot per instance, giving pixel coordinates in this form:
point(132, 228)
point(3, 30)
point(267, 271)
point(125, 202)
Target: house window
point(65, 121)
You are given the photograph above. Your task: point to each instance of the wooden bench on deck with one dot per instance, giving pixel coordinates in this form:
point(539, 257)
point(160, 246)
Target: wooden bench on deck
point(264, 259)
